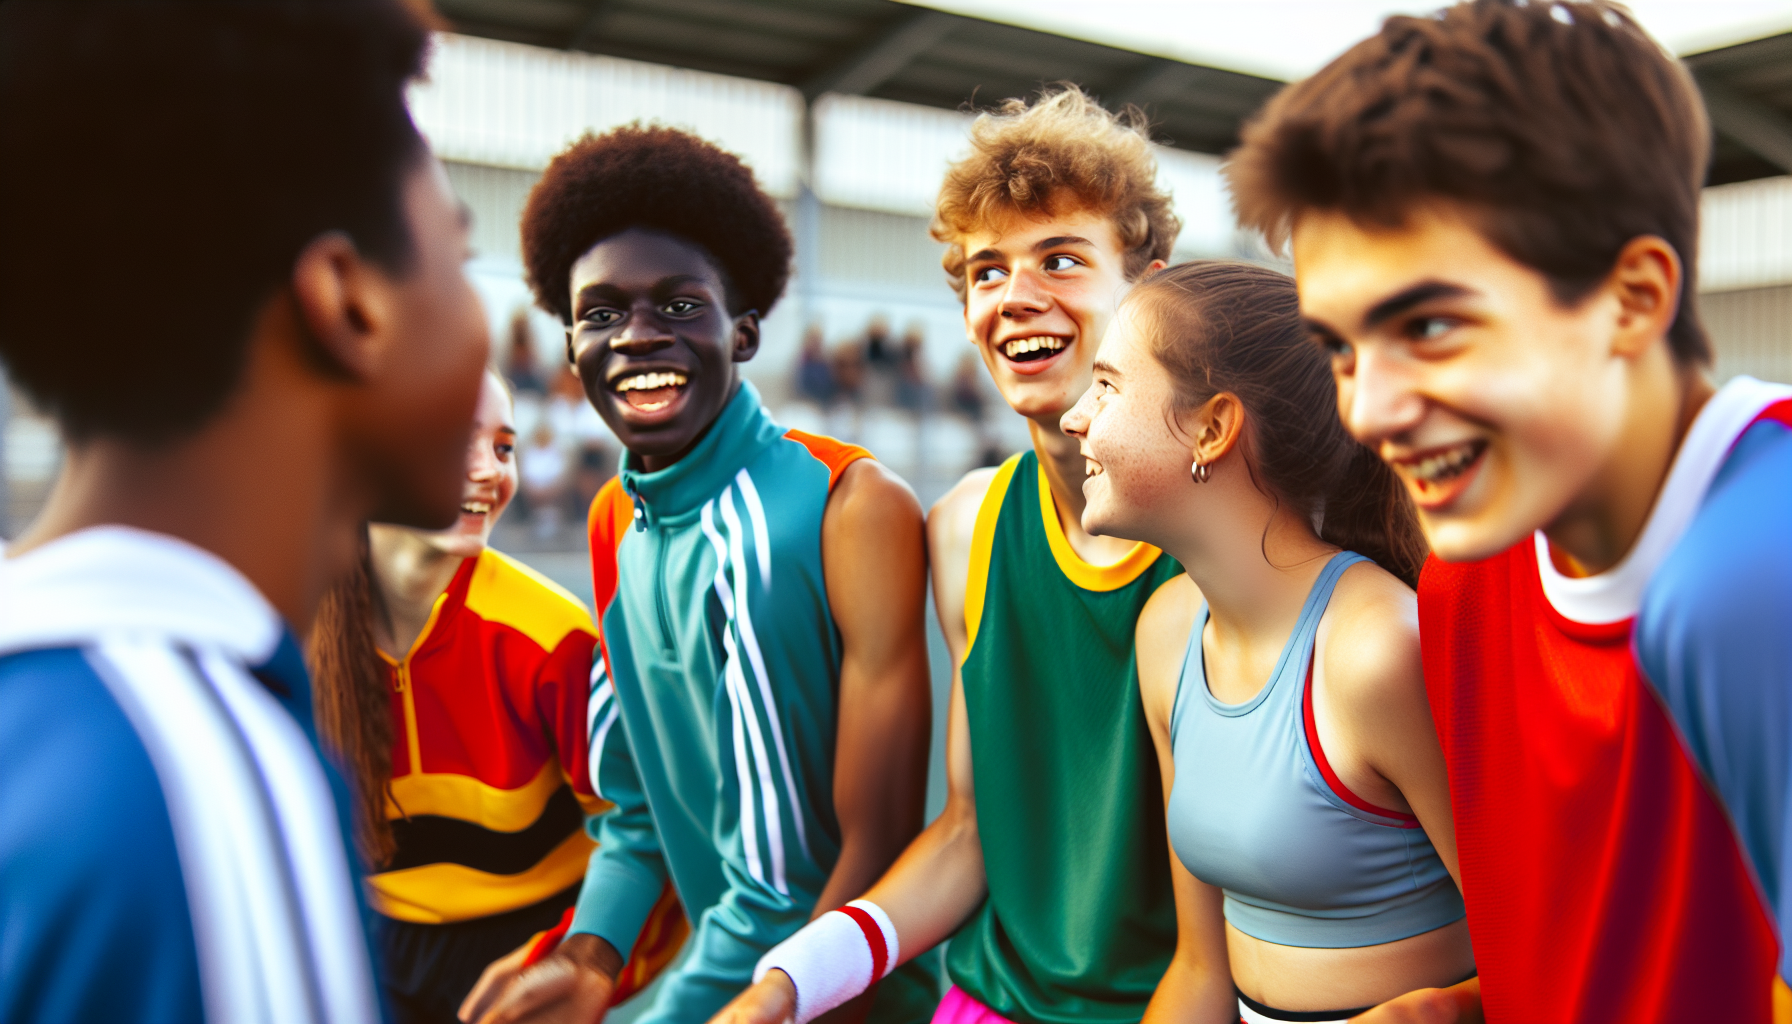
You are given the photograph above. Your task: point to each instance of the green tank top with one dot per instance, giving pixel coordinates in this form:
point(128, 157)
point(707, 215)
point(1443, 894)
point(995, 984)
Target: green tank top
point(1081, 920)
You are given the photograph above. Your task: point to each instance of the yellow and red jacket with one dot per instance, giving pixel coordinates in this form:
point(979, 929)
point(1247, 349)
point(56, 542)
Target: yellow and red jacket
point(489, 780)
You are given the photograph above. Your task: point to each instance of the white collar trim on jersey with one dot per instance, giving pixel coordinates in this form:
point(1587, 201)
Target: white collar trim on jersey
point(116, 580)
point(1617, 593)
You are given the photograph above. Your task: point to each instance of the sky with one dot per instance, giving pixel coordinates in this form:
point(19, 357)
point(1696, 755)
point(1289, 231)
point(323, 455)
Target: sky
point(1289, 39)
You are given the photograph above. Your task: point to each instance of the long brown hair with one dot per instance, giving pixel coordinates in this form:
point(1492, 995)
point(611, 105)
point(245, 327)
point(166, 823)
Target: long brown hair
point(1221, 326)
point(352, 701)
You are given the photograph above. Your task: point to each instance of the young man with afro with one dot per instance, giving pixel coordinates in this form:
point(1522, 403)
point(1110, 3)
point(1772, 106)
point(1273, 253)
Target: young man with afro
point(1494, 214)
point(1049, 869)
point(759, 714)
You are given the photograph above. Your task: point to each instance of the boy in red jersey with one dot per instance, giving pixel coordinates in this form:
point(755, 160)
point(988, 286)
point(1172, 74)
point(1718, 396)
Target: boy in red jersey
point(1494, 221)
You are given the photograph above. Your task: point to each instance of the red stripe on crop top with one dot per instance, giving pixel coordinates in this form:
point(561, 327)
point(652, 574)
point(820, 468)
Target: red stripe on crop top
point(1325, 768)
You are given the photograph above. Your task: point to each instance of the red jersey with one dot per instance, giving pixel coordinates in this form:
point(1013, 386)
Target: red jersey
point(1603, 877)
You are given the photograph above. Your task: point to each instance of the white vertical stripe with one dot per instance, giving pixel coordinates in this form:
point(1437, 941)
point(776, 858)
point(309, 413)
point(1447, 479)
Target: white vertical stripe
point(603, 699)
point(310, 830)
point(762, 545)
point(749, 637)
point(768, 792)
point(748, 819)
point(266, 875)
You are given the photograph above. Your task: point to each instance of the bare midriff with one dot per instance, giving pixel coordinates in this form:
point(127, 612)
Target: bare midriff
point(1308, 979)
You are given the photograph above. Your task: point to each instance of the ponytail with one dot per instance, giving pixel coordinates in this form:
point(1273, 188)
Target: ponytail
point(352, 702)
point(1222, 326)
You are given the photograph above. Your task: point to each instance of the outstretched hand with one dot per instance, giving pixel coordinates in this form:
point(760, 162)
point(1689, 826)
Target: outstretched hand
point(771, 1001)
point(571, 985)
point(1458, 1004)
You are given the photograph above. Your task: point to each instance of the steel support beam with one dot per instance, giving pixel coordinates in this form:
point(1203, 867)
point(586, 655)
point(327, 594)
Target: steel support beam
point(586, 34)
point(883, 57)
point(1159, 77)
point(1765, 131)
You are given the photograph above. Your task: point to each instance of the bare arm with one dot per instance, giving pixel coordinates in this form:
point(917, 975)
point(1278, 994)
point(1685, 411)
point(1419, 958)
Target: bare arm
point(874, 557)
point(938, 881)
point(1370, 706)
point(1198, 984)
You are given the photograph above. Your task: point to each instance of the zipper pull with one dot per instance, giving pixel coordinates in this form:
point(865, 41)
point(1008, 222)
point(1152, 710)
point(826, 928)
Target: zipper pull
point(640, 514)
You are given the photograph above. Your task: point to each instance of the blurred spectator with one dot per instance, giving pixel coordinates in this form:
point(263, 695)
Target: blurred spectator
point(543, 466)
point(913, 393)
point(521, 366)
point(967, 389)
point(880, 348)
point(849, 373)
point(585, 441)
point(814, 377)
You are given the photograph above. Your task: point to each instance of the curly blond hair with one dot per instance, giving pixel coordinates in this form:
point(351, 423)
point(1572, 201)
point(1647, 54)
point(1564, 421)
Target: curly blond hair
point(1061, 152)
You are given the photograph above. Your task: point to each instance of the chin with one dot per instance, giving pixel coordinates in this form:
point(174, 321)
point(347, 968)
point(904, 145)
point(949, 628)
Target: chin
point(1460, 538)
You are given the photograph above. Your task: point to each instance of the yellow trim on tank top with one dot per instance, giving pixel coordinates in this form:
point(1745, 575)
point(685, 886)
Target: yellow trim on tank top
point(1089, 577)
point(983, 538)
point(441, 893)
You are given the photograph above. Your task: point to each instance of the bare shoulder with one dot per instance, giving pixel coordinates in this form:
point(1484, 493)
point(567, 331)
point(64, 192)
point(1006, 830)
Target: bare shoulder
point(869, 496)
point(953, 519)
point(1162, 637)
point(1372, 638)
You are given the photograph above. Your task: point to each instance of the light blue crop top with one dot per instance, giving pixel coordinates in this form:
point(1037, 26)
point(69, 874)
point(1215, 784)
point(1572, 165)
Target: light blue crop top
point(1250, 811)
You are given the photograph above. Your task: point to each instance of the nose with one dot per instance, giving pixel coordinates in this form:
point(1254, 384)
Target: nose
point(1076, 422)
point(641, 334)
point(1023, 296)
point(482, 462)
point(1379, 399)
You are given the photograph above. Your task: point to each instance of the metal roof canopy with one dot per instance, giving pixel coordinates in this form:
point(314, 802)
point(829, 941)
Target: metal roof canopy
point(896, 51)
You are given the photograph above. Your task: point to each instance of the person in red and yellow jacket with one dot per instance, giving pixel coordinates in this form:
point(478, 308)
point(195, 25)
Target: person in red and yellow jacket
point(451, 684)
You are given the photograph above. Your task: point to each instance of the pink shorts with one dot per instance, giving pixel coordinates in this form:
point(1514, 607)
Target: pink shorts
point(959, 1008)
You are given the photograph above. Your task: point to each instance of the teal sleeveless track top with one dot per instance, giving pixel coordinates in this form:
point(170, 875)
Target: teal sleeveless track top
point(1302, 863)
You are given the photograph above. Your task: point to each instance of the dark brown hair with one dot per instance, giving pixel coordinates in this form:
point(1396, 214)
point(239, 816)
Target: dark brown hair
point(1222, 326)
point(1061, 153)
point(352, 702)
point(1561, 128)
point(659, 178)
point(216, 137)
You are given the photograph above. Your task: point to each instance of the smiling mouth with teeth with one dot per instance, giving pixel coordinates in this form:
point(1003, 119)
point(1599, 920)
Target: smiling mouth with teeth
point(1441, 467)
point(1026, 350)
point(475, 508)
point(651, 392)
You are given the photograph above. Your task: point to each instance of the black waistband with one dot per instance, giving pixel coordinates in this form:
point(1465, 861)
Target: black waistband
point(1298, 1015)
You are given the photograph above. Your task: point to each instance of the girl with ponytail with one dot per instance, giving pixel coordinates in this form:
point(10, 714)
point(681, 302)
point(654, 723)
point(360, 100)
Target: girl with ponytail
point(1307, 804)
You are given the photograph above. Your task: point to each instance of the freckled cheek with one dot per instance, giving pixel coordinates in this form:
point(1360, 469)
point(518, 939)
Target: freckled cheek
point(1141, 468)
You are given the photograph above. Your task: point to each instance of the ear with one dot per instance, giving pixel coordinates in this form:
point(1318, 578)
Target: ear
point(746, 336)
point(1645, 280)
point(344, 305)
point(1153, 267)
point(1214, 428)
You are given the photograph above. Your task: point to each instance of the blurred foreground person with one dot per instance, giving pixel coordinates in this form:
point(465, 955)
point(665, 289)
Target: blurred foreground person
point(280, 345)
point(1048, 869)
point(760, 713)
point(451, 687)
point(1308, 806)
point(1494, 215)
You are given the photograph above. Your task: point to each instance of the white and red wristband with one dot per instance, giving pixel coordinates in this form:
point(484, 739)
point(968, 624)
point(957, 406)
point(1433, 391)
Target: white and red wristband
point(835, 957)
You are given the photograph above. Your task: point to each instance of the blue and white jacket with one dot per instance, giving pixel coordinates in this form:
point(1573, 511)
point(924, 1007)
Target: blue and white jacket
point(170, 846)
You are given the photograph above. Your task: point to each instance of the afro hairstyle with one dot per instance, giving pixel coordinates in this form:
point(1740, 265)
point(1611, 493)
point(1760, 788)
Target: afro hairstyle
point(659, 178)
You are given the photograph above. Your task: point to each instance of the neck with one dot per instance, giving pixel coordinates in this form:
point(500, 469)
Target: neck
point(1603, 523)
point(411, 573)
point(1253, 561)
point(1062, 460)
point(259, 487)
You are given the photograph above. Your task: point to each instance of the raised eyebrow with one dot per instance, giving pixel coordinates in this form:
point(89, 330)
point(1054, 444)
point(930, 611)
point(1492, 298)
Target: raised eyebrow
point(983, 254)
point(1103, 366)
point(1407, 298)
point(1058, 240)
